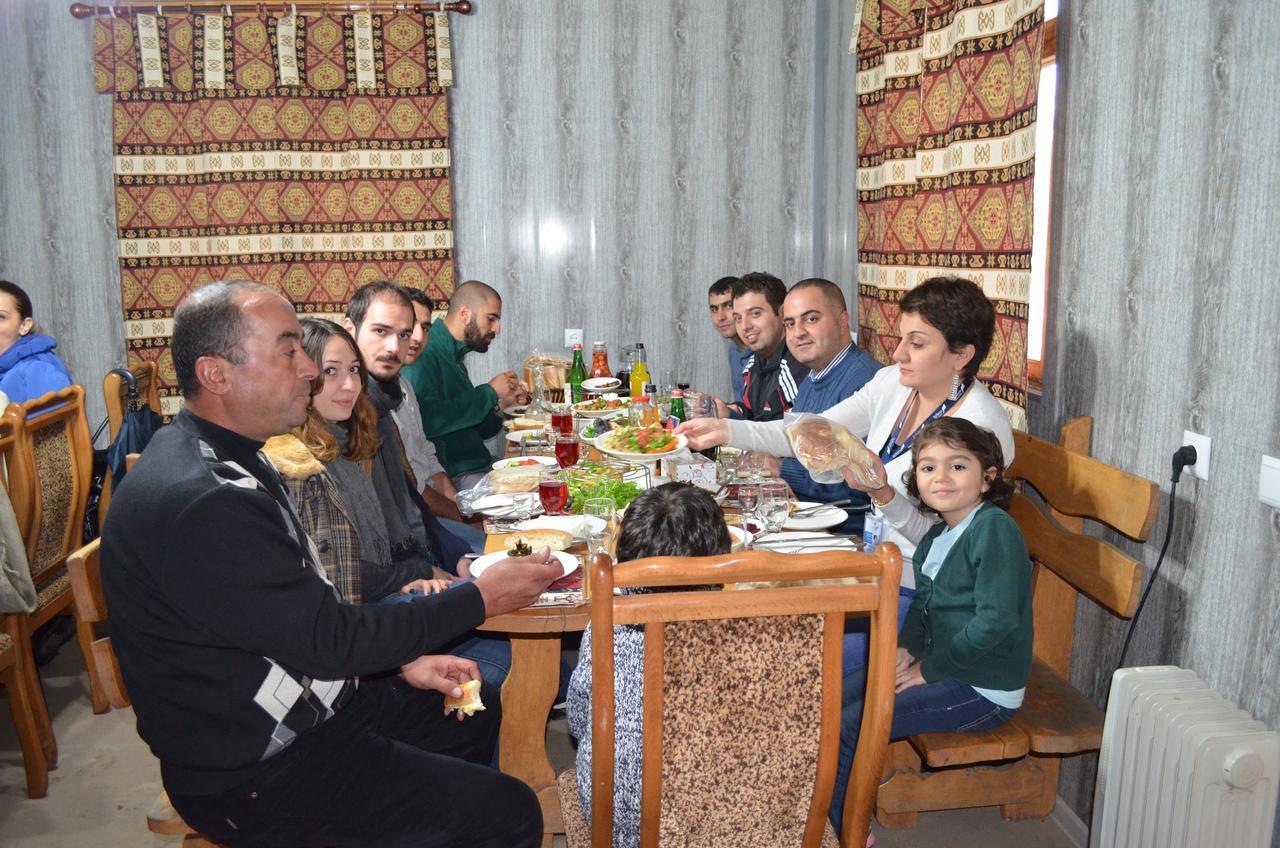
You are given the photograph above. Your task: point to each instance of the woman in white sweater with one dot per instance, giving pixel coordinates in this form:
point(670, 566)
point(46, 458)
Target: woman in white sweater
point(946, 327)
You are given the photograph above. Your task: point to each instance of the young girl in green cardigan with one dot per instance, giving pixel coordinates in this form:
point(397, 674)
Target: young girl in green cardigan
point(964, 650)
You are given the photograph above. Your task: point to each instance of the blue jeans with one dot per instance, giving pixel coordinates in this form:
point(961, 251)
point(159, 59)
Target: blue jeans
point(473, 536)
point(929, 708)
point(857, 634)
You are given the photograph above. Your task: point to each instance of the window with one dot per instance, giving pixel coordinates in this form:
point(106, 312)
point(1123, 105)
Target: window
point(1042, 189)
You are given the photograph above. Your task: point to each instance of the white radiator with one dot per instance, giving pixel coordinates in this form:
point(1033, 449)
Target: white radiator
point(1182, 768)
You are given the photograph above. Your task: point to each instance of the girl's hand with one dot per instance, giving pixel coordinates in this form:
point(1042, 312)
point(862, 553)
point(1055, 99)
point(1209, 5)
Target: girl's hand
point(908, 677)
point(904, 660)
point(424, 587)
point(705, 432)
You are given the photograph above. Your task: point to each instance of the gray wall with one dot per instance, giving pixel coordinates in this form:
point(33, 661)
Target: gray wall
point(1164, 312)
point(57, 212)
point(611, 160)
point(615, 158)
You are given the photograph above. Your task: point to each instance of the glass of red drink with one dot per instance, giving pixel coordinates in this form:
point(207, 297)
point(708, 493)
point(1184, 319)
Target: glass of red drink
point(553, 491)
point(567, 449)
point(562, 419)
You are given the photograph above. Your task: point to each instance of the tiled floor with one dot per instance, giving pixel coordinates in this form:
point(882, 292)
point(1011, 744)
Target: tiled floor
point(107, 780)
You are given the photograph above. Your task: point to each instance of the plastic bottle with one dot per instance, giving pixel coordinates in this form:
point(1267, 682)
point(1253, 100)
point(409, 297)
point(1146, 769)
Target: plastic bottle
point(639, 372)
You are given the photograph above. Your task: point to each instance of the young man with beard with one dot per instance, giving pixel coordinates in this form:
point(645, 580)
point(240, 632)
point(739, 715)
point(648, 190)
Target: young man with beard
point(456, 414)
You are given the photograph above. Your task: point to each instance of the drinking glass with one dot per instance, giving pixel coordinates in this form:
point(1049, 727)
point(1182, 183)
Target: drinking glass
point(600, 541)
point(749, 497)
point(522, 505)
point(567, 449)
point(775, 505)
point(727, 465)
point(562, 419)
point(553, 491)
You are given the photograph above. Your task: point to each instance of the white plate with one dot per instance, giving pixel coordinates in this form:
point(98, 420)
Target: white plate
point(516, 437)
point(681, 444)
point(512, 461)
point(740, 537)
point(568, 562)
point(819, 519)
point(516, 409)
point(580, 526)
point(804, 543)
point(601, 384)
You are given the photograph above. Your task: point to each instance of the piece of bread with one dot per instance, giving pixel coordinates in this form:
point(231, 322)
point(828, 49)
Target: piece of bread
point(528, 422)
point(540, 537)
point(469, 703)
point(519, 478)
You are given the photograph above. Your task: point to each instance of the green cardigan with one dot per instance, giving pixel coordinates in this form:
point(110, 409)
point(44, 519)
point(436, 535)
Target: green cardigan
point(456, 415)
point(973, 623)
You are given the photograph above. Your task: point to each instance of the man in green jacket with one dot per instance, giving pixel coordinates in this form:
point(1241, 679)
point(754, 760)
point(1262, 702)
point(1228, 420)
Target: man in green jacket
point(457, 415)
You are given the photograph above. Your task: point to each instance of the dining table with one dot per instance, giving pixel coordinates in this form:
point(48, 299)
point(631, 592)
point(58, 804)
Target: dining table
point(530, 691)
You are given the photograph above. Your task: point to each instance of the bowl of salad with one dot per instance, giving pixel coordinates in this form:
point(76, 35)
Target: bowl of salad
point(640, 443)
point(599, 407)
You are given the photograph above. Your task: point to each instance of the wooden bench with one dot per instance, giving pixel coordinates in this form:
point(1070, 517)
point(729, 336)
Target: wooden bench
point(1016, 766)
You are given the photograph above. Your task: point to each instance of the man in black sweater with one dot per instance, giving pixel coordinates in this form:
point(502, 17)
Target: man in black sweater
point(239, 658)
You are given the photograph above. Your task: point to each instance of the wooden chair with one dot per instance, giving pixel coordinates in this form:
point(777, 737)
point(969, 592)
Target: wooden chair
point(53, 452)
point(704, 732)
point(115, 391)
point(26, 700)
point(84, 569)
point(1021, 759)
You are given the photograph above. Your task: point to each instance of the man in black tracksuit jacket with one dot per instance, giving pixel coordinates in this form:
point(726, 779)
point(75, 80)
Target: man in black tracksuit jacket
point(239, 658)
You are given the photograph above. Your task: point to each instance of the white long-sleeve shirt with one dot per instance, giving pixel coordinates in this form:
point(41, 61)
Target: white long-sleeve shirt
point(870, 414)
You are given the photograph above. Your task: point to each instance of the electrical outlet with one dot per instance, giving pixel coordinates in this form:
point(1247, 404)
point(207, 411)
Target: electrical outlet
point(1269, 481)
point(572, 337)
point(1202, 445)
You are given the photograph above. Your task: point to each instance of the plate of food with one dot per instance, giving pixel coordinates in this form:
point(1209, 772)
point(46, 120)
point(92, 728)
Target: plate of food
point(601, 384)
point(515, 410)
point(578, 526)
point(528, 437)
point(527, 422)
point(568, 561)
point(524, 462)
point(815, 517)
point(601, 406)
point(640, 443)
point(538, 537)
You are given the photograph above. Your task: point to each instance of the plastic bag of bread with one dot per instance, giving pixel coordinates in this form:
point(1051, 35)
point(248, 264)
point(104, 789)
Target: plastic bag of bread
point(824, 447)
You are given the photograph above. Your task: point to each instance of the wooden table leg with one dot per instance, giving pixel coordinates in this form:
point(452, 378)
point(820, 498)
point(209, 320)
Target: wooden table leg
point(527, 698)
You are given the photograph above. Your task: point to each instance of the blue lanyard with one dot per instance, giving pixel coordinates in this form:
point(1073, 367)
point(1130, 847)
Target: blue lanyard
point(892, 451)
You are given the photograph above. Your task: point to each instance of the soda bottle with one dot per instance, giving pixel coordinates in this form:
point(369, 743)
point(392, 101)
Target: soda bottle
point(577, 374)
point(639, 372)
point(600, 361)
point(677, 406)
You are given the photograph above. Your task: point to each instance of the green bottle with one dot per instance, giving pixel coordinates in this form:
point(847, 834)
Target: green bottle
point(577, 373)
point(677, 407)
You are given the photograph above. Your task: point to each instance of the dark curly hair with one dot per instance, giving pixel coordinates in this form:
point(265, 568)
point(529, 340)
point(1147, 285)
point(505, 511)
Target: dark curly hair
point(960, 311)
point(962, 434)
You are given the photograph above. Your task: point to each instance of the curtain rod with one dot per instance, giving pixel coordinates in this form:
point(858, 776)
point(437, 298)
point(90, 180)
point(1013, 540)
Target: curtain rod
point(304, 7)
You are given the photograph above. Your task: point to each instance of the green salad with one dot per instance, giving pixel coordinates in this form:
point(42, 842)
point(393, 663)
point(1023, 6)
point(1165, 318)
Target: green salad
point(588, 481)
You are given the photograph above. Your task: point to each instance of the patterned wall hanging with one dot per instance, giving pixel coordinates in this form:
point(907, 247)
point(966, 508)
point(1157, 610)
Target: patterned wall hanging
point(307, 153)
point(946, 154)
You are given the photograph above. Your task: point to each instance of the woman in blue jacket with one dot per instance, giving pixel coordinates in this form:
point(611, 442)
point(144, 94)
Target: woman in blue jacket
point(28, 366)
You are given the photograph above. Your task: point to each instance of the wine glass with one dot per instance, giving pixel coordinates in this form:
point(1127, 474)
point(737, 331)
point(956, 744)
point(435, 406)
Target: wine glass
point(775, 505)
point(748, 497)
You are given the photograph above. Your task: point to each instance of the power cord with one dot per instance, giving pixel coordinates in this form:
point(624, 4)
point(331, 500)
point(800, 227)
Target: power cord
point(1182, 457)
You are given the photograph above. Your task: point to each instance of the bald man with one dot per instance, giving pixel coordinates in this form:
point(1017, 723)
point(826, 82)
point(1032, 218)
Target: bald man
point(457, 415)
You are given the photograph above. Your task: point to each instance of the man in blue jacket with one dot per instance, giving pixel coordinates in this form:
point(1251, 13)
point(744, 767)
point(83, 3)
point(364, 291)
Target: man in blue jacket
point(816, 321)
